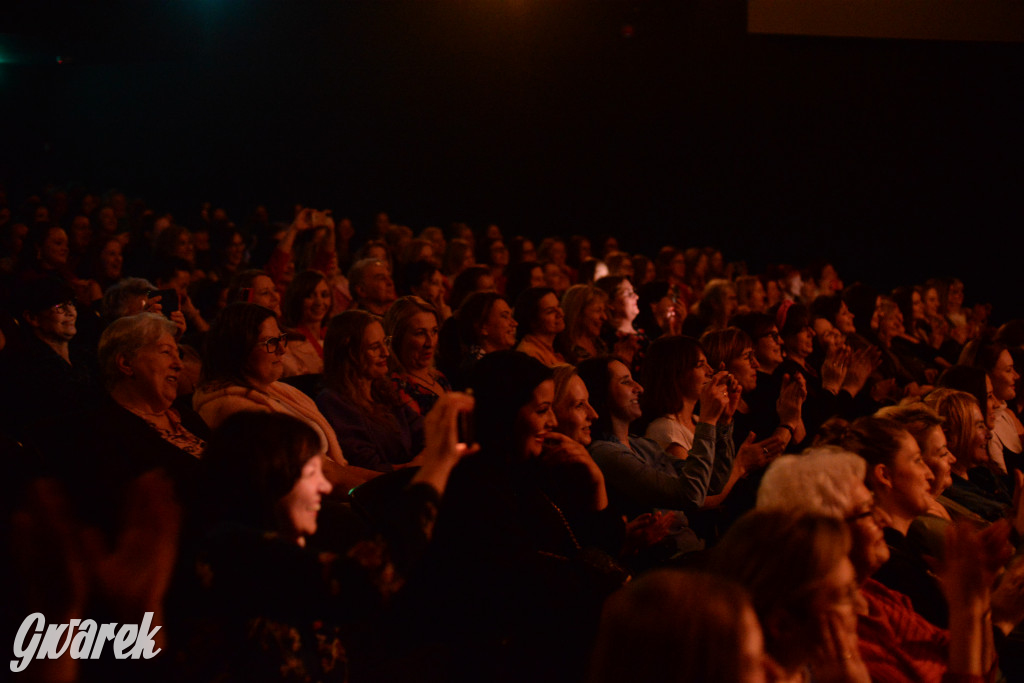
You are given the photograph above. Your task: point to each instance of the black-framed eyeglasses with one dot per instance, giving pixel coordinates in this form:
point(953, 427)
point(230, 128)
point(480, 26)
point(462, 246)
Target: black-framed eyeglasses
point(66, 308)
point(773, 334)
point(275, 344)
point(863, 514)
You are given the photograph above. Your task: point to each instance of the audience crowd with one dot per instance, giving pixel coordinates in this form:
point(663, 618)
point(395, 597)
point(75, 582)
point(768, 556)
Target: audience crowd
point(461, 455)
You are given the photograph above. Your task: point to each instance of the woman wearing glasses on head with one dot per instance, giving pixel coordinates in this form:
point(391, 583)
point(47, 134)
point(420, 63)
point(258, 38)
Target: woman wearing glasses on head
point(241, 369)
point(378, 427)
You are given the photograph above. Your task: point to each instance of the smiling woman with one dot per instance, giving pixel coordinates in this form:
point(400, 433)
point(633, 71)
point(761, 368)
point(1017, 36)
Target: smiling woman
point(241, 368)
point(376, 427)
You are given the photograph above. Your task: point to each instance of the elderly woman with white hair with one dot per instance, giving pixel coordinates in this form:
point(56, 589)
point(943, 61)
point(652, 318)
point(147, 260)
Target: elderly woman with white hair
point(895, 642)
point(137, 428)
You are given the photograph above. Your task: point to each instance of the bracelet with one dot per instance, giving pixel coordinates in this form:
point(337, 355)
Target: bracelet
point(792, 432)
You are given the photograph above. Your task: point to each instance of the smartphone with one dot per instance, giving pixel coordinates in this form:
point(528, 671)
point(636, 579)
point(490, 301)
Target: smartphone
point(467, 426)
point(168, 300)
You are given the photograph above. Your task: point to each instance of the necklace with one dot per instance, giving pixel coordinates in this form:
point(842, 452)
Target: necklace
point(428, 384)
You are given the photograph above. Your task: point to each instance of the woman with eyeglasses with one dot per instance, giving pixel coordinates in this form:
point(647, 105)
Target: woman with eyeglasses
point(242, 366)
point(379, 428)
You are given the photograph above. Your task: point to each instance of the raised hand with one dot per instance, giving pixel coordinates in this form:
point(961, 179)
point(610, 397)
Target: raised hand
point(714, 398)
point(442, 449)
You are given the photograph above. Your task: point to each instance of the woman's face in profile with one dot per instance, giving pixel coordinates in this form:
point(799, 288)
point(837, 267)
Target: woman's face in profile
point(939, 459)
point(769, 348)
point(595, 315)
point(744, 368)
point(536, 420)
point(981, 436)
point(264, 367)
point(1004, 378)
point(301, 505)
point(574, 412)
point(374, 352)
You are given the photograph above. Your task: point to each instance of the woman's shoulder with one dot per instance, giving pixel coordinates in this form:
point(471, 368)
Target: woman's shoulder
point(216, 403)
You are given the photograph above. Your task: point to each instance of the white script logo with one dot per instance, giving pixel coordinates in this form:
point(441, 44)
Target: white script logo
point(130, 641)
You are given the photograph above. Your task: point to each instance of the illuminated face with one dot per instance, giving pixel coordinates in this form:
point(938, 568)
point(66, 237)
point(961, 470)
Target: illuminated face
point(829, 337)
point(499, 330)
point(550, 319)
point(419, 342)
point(301, 505)
point(769, 348)
point(869, 551)
point(939, 459)
point(535, 421)
point(744, 369)
point(375, 352)
point(623, 393)
point(696, 378)
point(264, 293)
point(235, 251)
point(1004, 378)
point(911, 478)
point(316, 306)
point(574, 412)
point(978, 449)
point(264, 367)
point(801, 344)
point(377, 286)
point(156, 369)
point(595, 315)
point(992, 403)
point(844, 320)
point(54, 250)
point(56, 323)
point(624, 305)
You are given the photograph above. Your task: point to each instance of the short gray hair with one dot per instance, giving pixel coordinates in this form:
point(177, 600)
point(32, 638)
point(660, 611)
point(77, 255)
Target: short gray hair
point(117, 296)
point(819, 481)
point(357, 272)
point(125, 336)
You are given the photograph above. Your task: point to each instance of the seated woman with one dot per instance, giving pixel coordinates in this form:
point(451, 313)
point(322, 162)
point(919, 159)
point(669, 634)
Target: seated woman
point(733, 349)
point(678, 377)
point(717, 304)
point(619, 335)
point(483, 324)
point(661, 311)
point(586, 311)
point(803, 588)
point(750, 295)
point(412, 325)
point(902, 483)
point(671, 626)
point(305, 307)
point(539, 321)
point(136, 428)
point(268, 605)
point(895, 642)
point(974, 488)
point(254, 287)
point(472, 279)
point(377, 427)
point(640, 475)
point(241, 371)
point(994, 358)
point(424, 279)
point(518, 567)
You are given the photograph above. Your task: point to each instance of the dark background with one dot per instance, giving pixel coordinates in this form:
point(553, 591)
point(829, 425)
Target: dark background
point(661, 121)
